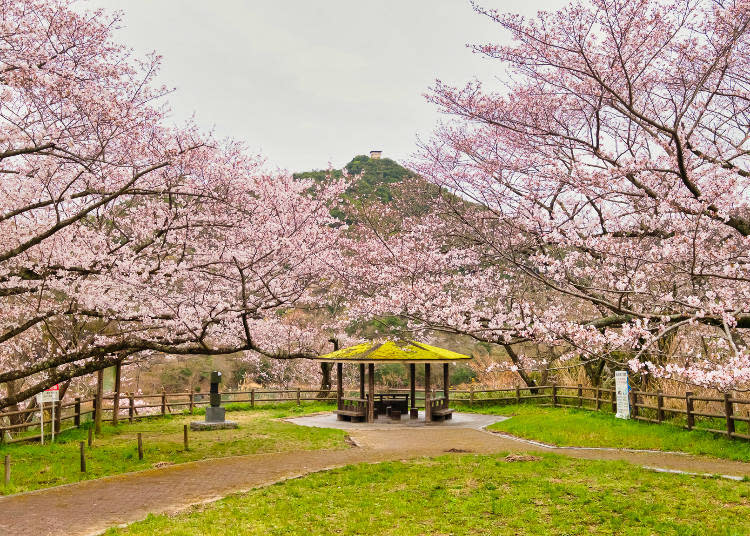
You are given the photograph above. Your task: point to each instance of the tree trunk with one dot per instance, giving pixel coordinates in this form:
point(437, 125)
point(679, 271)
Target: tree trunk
point(594, 371)
point(325, 373)
point(99, 401)
point(325, 380)
point(521, 372)
point(58, 411)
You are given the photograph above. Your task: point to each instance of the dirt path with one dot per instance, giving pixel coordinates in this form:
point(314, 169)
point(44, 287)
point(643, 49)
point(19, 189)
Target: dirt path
point(93, 506)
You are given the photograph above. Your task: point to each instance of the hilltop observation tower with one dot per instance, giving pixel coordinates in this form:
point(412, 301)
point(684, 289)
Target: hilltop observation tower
point(375, 155)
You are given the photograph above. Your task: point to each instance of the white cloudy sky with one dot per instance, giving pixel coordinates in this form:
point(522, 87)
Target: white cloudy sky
point(311, 82)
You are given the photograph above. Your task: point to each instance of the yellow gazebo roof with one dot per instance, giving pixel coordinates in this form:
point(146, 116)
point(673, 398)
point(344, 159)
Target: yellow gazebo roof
point(393, 352)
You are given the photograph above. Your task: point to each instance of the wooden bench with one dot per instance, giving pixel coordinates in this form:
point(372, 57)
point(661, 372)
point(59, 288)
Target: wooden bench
point(352, 409)
point(439, 409)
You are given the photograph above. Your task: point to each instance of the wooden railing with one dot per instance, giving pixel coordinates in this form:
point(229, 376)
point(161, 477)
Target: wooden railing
point(136, 406)
point(688, 410)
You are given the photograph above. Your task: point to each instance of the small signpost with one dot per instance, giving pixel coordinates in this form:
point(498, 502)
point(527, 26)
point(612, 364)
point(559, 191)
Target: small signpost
point(51, 395)
point(622, 390)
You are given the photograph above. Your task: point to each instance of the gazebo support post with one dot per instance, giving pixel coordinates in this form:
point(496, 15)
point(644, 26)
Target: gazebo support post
point(427, 393)
point(413, 384)
point(446, 384)
point(361, 380)
point(339, 384)
point(371, 392)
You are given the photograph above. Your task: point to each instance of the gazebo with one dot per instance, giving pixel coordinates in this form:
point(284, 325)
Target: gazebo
point(407, 352)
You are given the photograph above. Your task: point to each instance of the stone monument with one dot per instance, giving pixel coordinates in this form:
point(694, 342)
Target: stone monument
point(214, 413)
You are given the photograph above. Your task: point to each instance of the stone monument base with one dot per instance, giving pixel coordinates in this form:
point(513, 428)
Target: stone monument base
point(205, 425)
point(214, 420)
point(215, 414)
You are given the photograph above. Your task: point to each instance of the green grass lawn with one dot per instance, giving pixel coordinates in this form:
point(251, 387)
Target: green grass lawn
point(468, 494)
point(115, 450)
point(581, 428)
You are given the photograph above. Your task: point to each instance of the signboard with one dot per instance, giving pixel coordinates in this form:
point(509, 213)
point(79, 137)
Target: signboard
point(51, 396)
point(48, 396)
point(108, 379)
point(622, 389)
point(55, 388)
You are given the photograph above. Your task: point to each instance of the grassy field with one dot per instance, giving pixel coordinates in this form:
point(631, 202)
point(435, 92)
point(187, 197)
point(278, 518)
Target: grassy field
point(115, 450)
point(468, 494)
point(581, 428)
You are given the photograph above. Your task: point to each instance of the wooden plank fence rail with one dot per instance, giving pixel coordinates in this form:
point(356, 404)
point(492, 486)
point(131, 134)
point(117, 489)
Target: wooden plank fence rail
point(724, 412)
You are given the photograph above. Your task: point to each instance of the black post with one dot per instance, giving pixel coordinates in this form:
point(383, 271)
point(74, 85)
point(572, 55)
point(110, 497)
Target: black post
point(361, 380)
point(77, 412)
point(371, 392)
point(413, 384)
point(446, 384)
point(339, 384)
point(427, 394)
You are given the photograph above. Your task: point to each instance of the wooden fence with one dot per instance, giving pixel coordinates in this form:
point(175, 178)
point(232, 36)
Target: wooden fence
point(137, 406)
point(655, 407)
point(688, 410)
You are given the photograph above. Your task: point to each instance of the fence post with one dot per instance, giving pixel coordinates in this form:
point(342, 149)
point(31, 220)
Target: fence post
point(77, 412)
point(252, 398)
point(729, 411)
point(185, 437)
point(580, 395)
point(634, 403)
point(192, 404)
point(659, 406)
point(163, 402)
point(7, 470)
point(298, 397)
point(598, 398)
point(614, 401)
point(140, 446)
point(471, 395)
point(518, 394)
point(689, 410)
point(131, 407)
point(82, 447)
point(554, 394)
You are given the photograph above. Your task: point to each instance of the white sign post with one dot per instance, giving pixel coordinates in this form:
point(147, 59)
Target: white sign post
point(622, 390)
point(52, 395)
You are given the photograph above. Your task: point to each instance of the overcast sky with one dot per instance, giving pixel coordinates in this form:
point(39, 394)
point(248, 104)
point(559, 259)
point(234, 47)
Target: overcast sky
point(308, 82)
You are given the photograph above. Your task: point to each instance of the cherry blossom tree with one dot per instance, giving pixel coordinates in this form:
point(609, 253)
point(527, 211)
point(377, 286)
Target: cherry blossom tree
point(121, 235)
point(599, 197)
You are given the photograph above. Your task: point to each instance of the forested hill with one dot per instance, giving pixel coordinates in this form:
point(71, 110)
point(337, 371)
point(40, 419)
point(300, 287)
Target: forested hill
point(374, 177)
